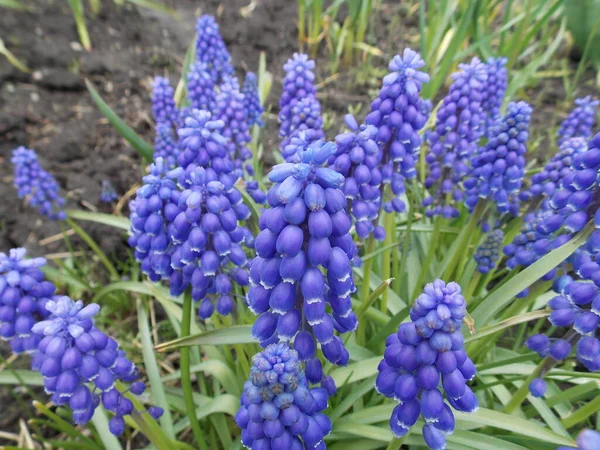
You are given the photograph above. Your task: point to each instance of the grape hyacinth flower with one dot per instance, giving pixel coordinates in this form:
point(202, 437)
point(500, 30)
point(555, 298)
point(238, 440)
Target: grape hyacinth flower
point(499, 167)
point(398, 115)
point(164, 109)
point(201, 87)
point(426, 359)
point(211, 50)
point(299, 108)
point(185, 228)
point(278, 409)
point(39, 189)
point(587, 440)
point(453, 142)
point(493, 92)
point(23, 296)
point(165, 145)
point(487, 254)
point(304, 251)
point(229, 109)
point(74, 356)
point(580, 122)
point(546, 182)
point(108, 194)
point(252, 106)
point(357, 159)
point(537, 387)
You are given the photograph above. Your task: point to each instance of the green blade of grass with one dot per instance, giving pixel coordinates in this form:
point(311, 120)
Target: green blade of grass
point(237, 334)
point(119, 222)
point(141, 146)
point(79, 17)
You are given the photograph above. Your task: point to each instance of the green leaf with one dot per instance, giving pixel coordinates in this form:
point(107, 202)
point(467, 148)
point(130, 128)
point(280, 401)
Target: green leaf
point(13, 4)
point(486, 331)
point(155, 5)
point(355, 372)
point(496, 419)
point(237, 334)
point(373, 297)
point(79, 17)
point(215, 368)
point(120, 222)
point(505, 294)
point(141, 146)
point(156, 386)
point(17, 377)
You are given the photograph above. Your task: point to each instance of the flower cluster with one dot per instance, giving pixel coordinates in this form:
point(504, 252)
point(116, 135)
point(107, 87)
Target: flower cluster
point(545, 183)
point(164, 109)
point(424, 353)
point(74, 355)
point(397, 113)
point(493, 92)
point(488, 253)
point(229, 108)
point(459, 125)
point(35, 185)
point(23, 296)
point(358, 159)
point(108, 194)
point(185, 228)
point(211, 50)
point(303, 264)
point(200, 87)
point(299, 108)
point(581, 121)
point(165, 145)
point(499, 167)
point(278, 410)
point(252, 106)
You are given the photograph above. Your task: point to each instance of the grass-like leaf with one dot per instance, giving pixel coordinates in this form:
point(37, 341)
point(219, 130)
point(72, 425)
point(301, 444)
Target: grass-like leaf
point(122, 223)
point(238, 334)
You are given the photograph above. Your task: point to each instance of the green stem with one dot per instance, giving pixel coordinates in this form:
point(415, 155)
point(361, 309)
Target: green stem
point(400, 280)
point(386, 269)
point(366, 279)
point(429, 258)
point(464, 242)
point(186, 377)
point(472, 285)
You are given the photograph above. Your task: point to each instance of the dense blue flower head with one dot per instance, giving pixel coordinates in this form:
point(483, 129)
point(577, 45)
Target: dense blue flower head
point(399, 113)
point(298, 83)
point(211, 50)
point(23, 296)
point(229, 108)
point(80, 364)
point(304, 250)
point(165, 145)
point(201, 87)
point(35, 185)
point(499, 167)
point(202, 142)
point(546, 182)
point(581, 121)
point(493, 91)
point(487, 254)
point(185, 227)
point(304, 116)
point(424, 360)
point(108, 194)
point(587, 440)
point(252, 106)
point(453, 142)
point(358, 159)
point(278, 408)
point(164, 109)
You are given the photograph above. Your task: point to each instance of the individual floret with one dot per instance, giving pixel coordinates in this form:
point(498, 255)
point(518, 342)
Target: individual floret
point(39, 189)
point(278, 408)
point(587, 440)
point(423, 361)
